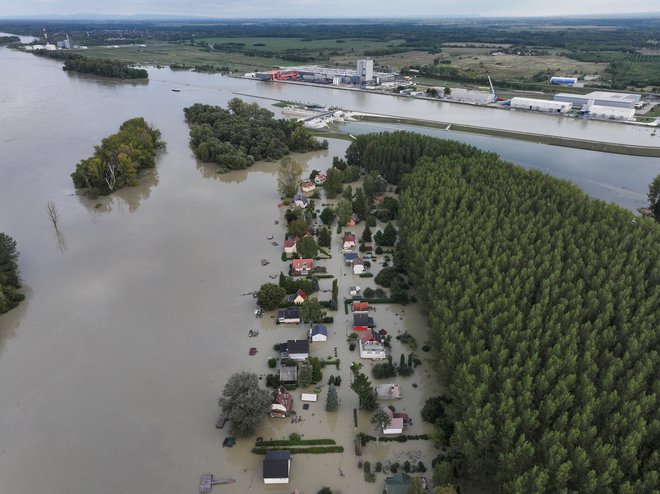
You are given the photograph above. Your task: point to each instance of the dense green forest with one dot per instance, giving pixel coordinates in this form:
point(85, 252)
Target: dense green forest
point(544, 307)
point(244, 133)
point(9, 282)
point(120, 158)
point(106, 68)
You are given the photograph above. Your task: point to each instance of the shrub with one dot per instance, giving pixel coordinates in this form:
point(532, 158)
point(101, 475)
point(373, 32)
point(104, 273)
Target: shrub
point(426, 348)
point(383, 371)
point(338, 381)
point(406, 466)
point(294, 436)
point(368, 292)
point(351, 346)
point(405, 370)
point(272, 363)
point(394, 467)
point(379, 466)
point(421, 467)
point(325, 490)
point(272, 380)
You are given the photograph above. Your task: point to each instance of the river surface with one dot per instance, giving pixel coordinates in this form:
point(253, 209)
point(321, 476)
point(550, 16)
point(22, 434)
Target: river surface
point(133, 320)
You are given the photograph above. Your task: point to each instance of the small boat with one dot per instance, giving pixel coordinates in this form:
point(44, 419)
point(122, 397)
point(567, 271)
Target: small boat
point(253, 332)
point(265, 262)
point(176, 90)
point(269, 237)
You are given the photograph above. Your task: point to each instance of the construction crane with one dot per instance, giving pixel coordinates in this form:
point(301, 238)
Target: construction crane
point(492, 89)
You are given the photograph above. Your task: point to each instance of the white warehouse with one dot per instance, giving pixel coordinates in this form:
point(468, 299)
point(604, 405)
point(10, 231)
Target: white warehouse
point(611, 112)
point(540, 105)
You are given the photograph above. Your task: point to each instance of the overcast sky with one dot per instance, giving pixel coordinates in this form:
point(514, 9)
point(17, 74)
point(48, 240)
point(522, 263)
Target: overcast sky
point(326, 8)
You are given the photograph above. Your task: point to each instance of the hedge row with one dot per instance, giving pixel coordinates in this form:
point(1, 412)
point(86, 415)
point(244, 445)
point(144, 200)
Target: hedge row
point(318, 450)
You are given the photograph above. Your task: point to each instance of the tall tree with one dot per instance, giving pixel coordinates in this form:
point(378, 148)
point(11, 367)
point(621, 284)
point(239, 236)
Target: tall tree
point(654, 197)
point(333, 183)
point(270, 296)
point(365, 391)
point(288, 177)
point(360, 203)
point(325, 238)
point(9, 281)
point(244, 403)
point(344, 211)
point(312, 311)
point(332, 400)
point(304, 374)
point(307, 247)
point(380, 419)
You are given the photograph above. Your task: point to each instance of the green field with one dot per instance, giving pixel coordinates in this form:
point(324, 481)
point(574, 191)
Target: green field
point(281, 44)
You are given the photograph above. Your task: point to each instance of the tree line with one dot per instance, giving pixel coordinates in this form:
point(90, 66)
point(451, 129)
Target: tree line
point(103, 67)
point(9, 282)
point(120, 159)
point(236, 137)
point(543, 305)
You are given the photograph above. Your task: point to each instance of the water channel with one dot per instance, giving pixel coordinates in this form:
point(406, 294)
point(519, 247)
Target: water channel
point(111, 367)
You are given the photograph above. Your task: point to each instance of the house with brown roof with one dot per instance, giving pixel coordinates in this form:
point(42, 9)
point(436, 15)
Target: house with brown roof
point(360, 307)
point(371, 346)
point(296, 298)
point(282, 403)
point(291, 246)
point(358, 265)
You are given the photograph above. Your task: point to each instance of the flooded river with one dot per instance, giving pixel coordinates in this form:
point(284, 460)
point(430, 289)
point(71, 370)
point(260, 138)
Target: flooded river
point(111, 368)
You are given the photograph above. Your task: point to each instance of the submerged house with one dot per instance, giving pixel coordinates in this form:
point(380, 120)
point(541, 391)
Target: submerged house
point(295, 350)
point(358, 265)
point(291, 246)
point(296, 298)
point(396, 422)
point(388, 392)
point(288, 316)
point(302, 267)
point(349, 257)
point(360, 307)
point(282, 403)
point(300, 201)
point(371, 346)
point(398, 484)
point(277, 467)
point(307, 186)
point(289, 374)
point(348, 242)
point(318, 332)
point(362, 322)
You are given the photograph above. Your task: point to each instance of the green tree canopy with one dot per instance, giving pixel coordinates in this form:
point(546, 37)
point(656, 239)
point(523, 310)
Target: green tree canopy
point(332, 400)
point(654, 197)
point(333, 183)
point(312, 311)
point(270, 296)
point(9, 281)
point(288, 177)
point(344, 211)
point(244, 403)
point(307, 247)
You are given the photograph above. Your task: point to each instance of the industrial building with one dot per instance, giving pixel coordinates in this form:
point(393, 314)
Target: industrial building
point(600, 98)
point(325, 75)
point(610, 112)
point(541, 105)
point(563, 80)
point(365, 70)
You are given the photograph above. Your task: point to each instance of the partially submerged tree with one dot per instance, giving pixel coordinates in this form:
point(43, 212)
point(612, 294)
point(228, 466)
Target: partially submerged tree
point(654, 197)
point(270, 296)
point(312, 311)
point(332, 400)
point(288, 177)
point(244, 403)
point(307, 247)
point(9, 282)
point(365, 391)
point(380, 419)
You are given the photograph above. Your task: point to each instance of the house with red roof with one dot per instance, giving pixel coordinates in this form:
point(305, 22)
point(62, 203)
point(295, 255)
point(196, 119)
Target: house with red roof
point(371, 346)
point(360, 307)
point(291, 246)
point(302, 267)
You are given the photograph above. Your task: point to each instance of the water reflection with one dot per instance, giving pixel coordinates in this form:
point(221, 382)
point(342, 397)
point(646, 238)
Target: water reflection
point(106, 81)
point(128, 196)
point(10, 321)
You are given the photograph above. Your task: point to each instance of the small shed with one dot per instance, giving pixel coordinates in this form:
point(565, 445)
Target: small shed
point(309, 397)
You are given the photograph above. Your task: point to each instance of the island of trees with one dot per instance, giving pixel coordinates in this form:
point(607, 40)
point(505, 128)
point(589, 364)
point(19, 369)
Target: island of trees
point(5, 40)
point(9, 282)
point(543, 305)
point(120, 159)
point(236, 137)
point(103, 67)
